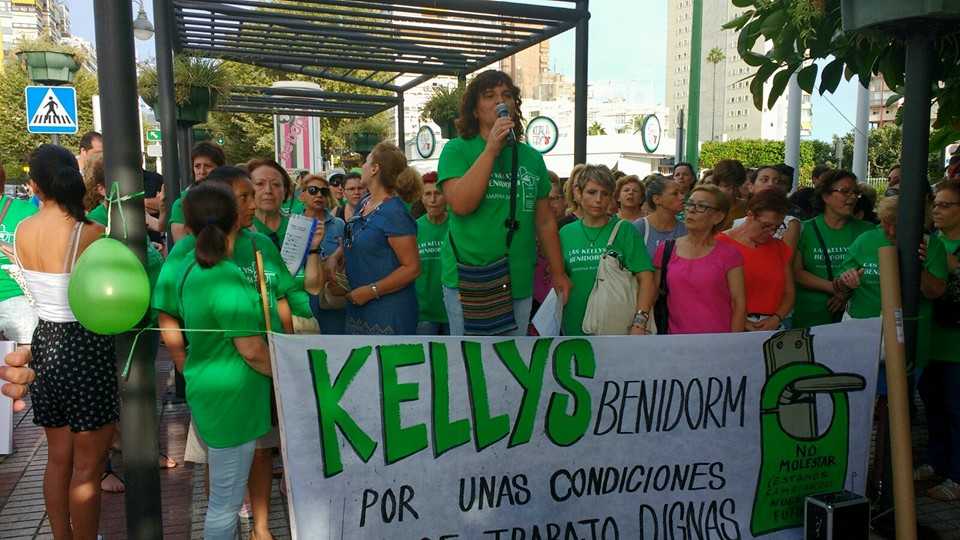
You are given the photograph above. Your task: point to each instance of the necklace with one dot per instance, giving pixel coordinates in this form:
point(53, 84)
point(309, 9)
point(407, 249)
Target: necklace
point(593, 241)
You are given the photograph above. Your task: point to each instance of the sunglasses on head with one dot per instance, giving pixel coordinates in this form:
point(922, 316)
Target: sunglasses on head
point(314, 190)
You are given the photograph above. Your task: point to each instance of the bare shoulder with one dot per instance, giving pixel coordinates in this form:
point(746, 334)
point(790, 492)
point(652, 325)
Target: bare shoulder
point(90, 233)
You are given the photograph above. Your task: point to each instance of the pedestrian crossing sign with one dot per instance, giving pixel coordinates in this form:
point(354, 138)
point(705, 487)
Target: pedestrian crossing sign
point(51, 109)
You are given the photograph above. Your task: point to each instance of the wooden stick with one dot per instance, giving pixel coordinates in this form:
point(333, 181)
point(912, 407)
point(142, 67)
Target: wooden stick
point(904, 502)
point(264, 296)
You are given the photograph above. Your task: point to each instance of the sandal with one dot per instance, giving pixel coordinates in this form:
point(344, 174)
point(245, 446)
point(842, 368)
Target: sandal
point(112, 486)
point(948, 490)
point(166, 462)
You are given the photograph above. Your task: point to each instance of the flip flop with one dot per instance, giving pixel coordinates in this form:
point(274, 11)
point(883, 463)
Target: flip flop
point(118, 487)
point(166, 462)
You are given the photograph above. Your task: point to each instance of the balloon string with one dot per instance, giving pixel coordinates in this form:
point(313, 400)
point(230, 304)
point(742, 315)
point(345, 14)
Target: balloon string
point(125, 373)
point(116, 198)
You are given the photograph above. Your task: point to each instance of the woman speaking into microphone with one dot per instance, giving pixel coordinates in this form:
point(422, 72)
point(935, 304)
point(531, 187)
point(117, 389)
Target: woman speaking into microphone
point(497, 188)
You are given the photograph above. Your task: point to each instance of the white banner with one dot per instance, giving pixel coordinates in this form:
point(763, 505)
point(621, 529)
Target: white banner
point(693, 437)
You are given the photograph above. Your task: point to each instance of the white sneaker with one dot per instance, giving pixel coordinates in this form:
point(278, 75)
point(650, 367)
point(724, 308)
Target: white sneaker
point(948, 490)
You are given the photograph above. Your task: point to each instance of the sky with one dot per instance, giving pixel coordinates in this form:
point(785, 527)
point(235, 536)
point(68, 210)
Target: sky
point(628, 42)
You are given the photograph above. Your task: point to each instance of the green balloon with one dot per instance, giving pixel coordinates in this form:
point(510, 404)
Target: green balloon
point(109, 290)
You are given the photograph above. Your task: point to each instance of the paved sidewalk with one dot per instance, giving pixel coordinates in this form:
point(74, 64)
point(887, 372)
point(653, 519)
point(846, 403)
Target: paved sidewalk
point(22, 514)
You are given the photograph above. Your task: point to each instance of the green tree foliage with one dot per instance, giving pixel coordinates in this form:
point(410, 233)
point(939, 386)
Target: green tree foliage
point(758, 152)
point(251, 135)
point(596, 129)
point(884, 145)
point(802, 31)
point(15, 143)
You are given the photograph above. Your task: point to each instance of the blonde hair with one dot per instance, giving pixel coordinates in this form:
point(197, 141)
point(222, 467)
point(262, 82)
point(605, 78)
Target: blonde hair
point(395, 174)
point(93, 176)
point(329, 201)
point(624, 180)
point(887, 209)
point(568, 195)
point(721, 200)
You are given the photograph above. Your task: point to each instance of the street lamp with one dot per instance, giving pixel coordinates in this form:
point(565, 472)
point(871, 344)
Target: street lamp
point(142, 27)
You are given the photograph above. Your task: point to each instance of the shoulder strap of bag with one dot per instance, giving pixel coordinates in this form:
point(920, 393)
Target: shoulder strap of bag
point(823, 248)
point(613, 233)
point(511, 223)
point(6, 207)
point(664, 262)
point(646, 230)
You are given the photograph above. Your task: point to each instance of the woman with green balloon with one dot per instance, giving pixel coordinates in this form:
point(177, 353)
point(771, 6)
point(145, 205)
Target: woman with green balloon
point(228, 369)
point(74, 395)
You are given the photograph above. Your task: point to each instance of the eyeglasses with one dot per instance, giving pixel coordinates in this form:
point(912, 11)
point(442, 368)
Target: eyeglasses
point(314, 190)
point(697, 207)
point(846, 192)
point(945, 205)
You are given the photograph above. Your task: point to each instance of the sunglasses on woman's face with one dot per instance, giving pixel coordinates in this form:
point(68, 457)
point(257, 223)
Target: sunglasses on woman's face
point(317, 190)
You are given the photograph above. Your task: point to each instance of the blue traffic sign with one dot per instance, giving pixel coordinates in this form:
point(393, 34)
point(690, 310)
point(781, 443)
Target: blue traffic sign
point(51, 109)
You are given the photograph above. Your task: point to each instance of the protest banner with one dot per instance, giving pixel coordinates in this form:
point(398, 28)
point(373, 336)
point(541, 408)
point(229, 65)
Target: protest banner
point(658, 437)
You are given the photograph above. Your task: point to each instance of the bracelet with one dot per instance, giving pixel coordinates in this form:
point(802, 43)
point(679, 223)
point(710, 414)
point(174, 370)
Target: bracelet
point(779, 318)
point(376, 293)
point(316, 251)
point(641, 318)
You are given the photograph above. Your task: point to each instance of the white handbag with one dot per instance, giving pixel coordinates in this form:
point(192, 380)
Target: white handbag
point(613, 300)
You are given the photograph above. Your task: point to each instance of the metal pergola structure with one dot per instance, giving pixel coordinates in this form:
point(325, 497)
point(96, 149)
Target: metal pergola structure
point(391, 45)
point(304, 102)
point(386, 45)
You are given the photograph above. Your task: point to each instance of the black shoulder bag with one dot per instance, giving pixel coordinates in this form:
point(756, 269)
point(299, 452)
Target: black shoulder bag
point(486, 292)
point(661, 315)
point(838, 316)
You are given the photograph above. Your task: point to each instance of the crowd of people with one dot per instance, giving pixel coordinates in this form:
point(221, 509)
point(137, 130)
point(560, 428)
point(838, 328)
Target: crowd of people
point(473, 248)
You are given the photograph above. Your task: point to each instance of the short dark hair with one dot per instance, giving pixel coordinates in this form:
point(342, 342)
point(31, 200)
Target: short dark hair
point(208, 150)
point(830, 179)
point(227, 175)
point(819, 170)
point(467, 124)
point(770, 200)
point(86, 141)
point(350, 175)
point(729, 171)
point(687, 165)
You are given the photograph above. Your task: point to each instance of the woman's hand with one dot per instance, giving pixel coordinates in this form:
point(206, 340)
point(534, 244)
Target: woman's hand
point(837, 303)
point(16, 376)
point(764, 325)
point(317, 237)
point(637, 329)
point(851, 278)
point(498, 135)
point(361, 295)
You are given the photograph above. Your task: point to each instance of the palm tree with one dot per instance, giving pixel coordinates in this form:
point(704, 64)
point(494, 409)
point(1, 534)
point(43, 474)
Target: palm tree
point(596, 129)
point(715, 56)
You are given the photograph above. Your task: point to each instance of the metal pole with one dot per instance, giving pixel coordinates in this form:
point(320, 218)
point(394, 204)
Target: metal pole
point(792, 145)
point(678, 157)
point(580, 86)
point(693, 98)
point(184, 139)
point(914, 186)
point(55, 139)
point(401, 127)
point(166, 108)
point(860, 133)
point(138, 416)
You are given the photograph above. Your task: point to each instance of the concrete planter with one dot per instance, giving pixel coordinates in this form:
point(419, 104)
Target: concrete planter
point(49, 67)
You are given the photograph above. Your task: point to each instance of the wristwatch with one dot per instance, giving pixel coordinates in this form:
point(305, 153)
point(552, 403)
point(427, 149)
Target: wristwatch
point(641, 318)
point(376, 293)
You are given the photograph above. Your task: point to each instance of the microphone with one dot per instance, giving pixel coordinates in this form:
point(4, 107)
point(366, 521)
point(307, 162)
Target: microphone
point(504, 112)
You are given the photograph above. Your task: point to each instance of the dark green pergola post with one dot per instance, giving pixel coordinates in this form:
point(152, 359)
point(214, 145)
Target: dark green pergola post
point(693, 99)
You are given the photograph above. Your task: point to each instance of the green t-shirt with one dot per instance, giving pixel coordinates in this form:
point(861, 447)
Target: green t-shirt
point(280, 283)
point(944, 341)
point(17, 212)
point(276, 236)
point(430, 238)
point(229, 401)
point(866, 300)
point(176, 212)
point(582, 248)
point(810, 308)
point(481, 237)
point(292, 206)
